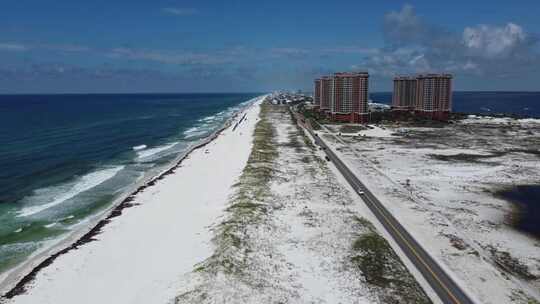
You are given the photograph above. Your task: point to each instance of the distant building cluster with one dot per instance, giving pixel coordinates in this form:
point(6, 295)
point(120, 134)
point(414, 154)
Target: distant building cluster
point(285, 98)
point(344, 96)
point(429, 95)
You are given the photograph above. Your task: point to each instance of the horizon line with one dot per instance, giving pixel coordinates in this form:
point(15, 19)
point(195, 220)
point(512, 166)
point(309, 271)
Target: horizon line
point(240, 92)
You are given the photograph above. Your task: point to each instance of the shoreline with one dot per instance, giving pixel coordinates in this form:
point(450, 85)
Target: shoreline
point(16, 279)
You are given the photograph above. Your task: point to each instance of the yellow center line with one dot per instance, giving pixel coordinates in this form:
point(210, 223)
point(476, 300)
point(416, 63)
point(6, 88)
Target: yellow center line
point(416, 254)
point(454, 299)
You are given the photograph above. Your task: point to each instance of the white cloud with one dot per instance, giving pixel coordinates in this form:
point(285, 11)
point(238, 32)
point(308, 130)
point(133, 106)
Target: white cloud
point(404, 27)
point(65, 47)
point(420, 64)
point(43, 46)
point(402, 22)
point(169, 57)
point(470, 66)
point(179, 11)
point(13, 47)
point(350, 50)
point(493, 41)
point(289, 52)
point(414, 45)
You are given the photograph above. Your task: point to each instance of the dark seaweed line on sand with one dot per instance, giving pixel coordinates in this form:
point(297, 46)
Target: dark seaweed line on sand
point(239, 122)
point(20, 287)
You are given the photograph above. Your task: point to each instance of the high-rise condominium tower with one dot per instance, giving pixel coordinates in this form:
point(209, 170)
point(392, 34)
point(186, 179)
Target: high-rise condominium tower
point(349, 97)
point(434, 95)
point(404, 96)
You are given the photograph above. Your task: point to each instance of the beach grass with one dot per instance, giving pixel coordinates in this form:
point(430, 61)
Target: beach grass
point(351, 128)
point(381, 267)
point(246, 207)
point(244, 265)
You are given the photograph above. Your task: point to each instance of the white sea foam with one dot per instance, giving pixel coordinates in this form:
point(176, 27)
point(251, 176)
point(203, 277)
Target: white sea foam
point(212, 122)
point(50, 225)
point(209, 123)
point(153, 151)
point(208, 118)
point(53, 196)
point(530, 120)
point(196, 131)
point(140, 147)
point(191, 130)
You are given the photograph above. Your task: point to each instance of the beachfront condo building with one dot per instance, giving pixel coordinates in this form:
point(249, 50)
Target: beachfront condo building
point(326, 93)
point(404, 96)
point(434, 95)
point(317, 94)
point(343, 96)
point(349, 99)
point(429, 95)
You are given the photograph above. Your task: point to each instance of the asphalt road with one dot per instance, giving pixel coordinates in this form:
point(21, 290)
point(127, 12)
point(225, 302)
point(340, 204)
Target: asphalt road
point(445, 287)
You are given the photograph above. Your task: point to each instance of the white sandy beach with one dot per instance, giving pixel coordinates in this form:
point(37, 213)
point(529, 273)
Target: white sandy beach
point(140, 256)
point(295, 233)
point(192, 237)
point(449, 206)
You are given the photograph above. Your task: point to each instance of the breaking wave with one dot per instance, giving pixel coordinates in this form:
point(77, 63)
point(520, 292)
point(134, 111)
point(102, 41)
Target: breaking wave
point(46, 198)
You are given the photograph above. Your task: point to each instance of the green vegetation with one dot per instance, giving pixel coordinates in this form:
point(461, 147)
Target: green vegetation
point(306, 159)
point(363, 223)
point(372, 262)
point(300, 131)
point(246, 207)
point(477, 158)
point(464, 157)
point(505, 261)
point(518, 296)
point(382, 268)
point(409, 119)
point(293, 142)
point(351, 128)
point(237, 257)
point(314, 117)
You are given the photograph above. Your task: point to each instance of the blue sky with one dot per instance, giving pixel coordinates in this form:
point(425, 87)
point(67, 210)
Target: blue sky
point(208, 46)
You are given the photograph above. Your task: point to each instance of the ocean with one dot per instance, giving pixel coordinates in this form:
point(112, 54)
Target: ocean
point(521, 104)
point(64, 158)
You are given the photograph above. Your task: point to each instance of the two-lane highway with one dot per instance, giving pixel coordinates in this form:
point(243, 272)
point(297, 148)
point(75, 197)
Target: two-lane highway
point(445, 287)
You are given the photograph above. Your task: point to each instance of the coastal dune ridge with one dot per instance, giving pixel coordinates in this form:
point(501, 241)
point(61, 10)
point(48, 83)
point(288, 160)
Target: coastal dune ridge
point(15, 281)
